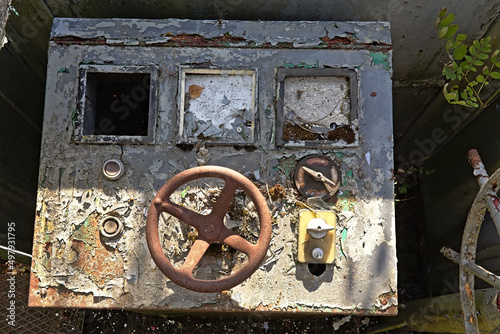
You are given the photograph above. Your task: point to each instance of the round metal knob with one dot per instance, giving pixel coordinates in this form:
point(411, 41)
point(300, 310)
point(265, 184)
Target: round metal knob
point(113, 169)
point(110, 227)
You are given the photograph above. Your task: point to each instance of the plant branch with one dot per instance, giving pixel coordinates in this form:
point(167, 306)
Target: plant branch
point(475, 93)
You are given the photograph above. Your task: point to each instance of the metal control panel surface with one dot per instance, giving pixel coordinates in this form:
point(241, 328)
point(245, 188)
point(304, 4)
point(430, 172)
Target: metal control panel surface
point(128, 106)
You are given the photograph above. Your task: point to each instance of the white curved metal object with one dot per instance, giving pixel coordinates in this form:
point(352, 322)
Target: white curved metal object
point(486, 198)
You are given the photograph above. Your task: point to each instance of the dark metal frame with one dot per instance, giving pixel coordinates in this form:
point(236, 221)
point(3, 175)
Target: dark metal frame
point(83, 109)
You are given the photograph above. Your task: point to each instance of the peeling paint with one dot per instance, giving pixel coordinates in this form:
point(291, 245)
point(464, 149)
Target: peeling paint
point(380, 58)
point(75, 266)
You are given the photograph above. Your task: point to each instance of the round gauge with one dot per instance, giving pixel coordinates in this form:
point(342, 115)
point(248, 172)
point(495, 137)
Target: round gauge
point(317, 175)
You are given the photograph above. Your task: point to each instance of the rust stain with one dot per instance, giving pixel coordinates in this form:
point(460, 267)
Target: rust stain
point(495, 201)
point(56, 297)
point(200, 41)
point(95, 259)
point(90, 255)
point(498, 302)
point(338, 40)
point(386, 297)
point(272, 309)
point(69, 40)
point(196, 40)
point(285, 45)
point(468, 291)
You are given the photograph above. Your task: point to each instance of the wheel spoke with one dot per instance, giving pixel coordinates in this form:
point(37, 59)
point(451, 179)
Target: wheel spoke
point(222, 205)
point(184, 214)
point(195, 254)
point(237, 242)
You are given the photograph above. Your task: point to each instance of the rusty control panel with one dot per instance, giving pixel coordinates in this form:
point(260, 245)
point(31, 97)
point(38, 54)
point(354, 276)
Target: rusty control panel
point(198, 166)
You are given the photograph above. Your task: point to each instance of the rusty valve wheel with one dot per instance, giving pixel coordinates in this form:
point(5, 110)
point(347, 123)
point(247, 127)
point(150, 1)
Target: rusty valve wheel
point(211, 229)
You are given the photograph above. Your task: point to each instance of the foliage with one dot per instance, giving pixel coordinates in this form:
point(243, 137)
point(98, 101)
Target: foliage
point(471, 66)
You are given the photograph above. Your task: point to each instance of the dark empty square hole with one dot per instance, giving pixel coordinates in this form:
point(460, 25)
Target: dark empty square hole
point(117, 104)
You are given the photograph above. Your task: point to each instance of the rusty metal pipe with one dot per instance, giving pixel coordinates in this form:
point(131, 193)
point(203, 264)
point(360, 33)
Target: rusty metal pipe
point(468, 252)
point(477, 270)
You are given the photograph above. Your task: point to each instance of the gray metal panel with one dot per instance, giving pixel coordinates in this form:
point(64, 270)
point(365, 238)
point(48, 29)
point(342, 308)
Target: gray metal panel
point(74, 195)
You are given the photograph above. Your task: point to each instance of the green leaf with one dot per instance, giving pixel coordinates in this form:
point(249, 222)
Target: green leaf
point(473, 98)
point(476, 43)
point(463, 94)
point(487, 39)
point(461, 37)
point(460, 52)
point(442, 32)
point(452, 29)
point(184, 192)
point(450, 96)
point(494, 56)
point(477, 62)
point(495, 75)
point(480, 78)
point(447, 72)
point(455, 44)
point(469, 91)
point(442, 12)
point(482, 56)
point(473, 69)
point(446, 21)
point(462, 103)
point(486, 70)
point(448, 45)
point(472, 104)
point(472, 50)
point(497, 64)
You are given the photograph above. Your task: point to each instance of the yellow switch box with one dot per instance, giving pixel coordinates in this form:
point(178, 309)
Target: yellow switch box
point(323, 244)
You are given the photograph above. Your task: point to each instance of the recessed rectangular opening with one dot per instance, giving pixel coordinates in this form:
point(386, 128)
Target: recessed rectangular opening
point(117, 104)
point(217, 106)
point(317, 107)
